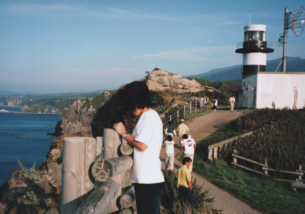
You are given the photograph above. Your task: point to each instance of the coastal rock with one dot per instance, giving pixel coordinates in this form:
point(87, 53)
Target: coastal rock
point(158, 80)
point(28, 192)
point(77, 118)
point(36, 108)
point(55, 170)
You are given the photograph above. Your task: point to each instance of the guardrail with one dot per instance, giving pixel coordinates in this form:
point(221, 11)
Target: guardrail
point(187, 109)
point(297, 183)
point(96, 174)
point(215, 148)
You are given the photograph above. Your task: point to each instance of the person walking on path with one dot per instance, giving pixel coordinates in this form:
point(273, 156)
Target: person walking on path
point(206, 100)
point(215, 104)
point(169, 153)
point(170, 130)
point(232, 102)
point(189, 145)
point(185, 188)
point(201, 101)
point(182, 129)
point(146, 138)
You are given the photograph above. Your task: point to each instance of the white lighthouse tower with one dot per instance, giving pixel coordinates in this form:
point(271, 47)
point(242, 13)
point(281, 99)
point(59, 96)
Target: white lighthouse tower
point(254, 50)
point(266, 89)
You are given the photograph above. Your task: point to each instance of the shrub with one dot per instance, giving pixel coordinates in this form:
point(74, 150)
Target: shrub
point(170, 197)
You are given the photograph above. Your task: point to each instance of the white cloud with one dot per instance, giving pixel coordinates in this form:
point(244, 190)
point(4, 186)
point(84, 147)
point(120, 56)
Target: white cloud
point(78, 11)
point(191, 54)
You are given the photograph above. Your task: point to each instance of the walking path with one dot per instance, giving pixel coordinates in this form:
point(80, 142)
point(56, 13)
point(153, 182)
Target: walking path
point(200, 128)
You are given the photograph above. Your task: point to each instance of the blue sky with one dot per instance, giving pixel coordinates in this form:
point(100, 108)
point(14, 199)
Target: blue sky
point(81, 46)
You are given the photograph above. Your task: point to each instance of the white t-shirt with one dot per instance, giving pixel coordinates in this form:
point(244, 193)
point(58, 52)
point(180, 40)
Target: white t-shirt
point(169, 147)
point(146, 167)
point(188, 145)
point(232, 100)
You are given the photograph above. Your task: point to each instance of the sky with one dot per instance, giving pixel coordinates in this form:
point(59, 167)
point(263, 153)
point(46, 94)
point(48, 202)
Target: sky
point(82, 46)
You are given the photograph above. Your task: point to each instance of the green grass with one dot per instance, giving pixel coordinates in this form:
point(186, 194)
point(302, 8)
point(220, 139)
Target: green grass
point(260, 192)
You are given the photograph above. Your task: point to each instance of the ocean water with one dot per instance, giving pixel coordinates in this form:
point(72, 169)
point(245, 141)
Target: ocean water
point(24, 136)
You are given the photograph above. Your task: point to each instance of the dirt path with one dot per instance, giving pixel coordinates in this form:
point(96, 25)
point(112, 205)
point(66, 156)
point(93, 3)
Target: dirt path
point(200, 128)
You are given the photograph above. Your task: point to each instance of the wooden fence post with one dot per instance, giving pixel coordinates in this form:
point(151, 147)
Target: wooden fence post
point(215, 152)
point(128, 198)
point(99, 148)
point(100, 199)
point(111, 143)
point(234, 158)
point(78, 154)
point(177, 115)
point(170, 117)
point(266, 165)
point(300, 170)
point(210, 153)
point(184, 111)
point(125, 148)
point(190, 107)
point(106, 168)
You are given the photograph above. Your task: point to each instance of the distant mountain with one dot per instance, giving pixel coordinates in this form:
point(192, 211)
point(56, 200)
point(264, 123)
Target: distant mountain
point(13, 93)
point(294, 64)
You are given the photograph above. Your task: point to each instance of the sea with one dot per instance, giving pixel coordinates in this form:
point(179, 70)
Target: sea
point(24, 136)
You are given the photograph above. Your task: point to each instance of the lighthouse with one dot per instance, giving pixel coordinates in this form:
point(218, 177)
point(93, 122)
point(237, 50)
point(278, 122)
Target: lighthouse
point(266, 89)
point(254, 49)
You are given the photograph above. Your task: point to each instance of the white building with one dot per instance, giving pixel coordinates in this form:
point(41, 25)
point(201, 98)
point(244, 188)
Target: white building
point(266, 89)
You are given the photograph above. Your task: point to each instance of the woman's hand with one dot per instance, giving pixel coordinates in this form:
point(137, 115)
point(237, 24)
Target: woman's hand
point(120, 128)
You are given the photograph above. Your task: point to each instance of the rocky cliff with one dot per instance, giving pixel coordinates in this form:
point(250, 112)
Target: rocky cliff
point(76, 119)
point(39, 109)
point(158, 80)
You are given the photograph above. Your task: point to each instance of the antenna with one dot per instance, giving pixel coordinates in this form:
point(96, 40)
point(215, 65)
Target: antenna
point(249, 17)
point(294, 21)
point(297, 21)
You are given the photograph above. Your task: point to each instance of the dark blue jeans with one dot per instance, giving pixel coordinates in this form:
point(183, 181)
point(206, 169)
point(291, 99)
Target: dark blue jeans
point(148, 197)
point(186, 197)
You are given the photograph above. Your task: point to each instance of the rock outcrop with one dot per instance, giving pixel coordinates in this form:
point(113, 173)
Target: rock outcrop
point(35, 191)
point(39, 109)
point(76, 119)
point(158, 80)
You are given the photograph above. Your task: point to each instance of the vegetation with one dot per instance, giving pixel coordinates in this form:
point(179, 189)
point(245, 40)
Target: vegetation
point(29, 173)
point(225, 86)
point(170, 197)
point(278, 136)
point(262, 193)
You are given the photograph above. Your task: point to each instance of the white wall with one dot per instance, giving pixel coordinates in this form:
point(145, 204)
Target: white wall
point(284, 89)
point(248, 98)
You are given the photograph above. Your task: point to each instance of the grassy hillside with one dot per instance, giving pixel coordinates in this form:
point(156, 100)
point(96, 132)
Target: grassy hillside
point(279, 137)
point(225, 86)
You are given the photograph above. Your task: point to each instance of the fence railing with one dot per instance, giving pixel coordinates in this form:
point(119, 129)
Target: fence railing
point(96, 172)
point(96, 175)
point(187, 109)
point(216, 148)
point(297, 183)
